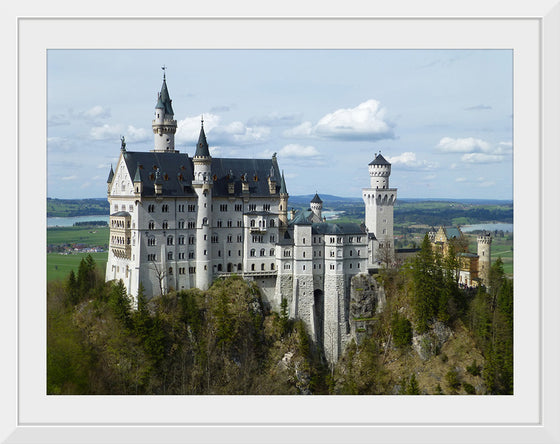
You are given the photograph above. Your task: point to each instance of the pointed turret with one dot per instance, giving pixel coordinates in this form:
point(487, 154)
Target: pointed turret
point(163, 125)
point(110, 180)
point(111, 175)
point(283, 189)
point(137, 180)
point(317, 208)
point(202, 145)
point(283, 205)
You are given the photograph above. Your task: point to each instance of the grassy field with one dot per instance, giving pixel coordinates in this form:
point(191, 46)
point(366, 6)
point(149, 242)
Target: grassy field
point(93, 236)
point(59, 265)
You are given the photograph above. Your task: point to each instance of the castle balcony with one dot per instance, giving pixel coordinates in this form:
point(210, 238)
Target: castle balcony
point(257, 230)
point(120, 251)
point(260, 273)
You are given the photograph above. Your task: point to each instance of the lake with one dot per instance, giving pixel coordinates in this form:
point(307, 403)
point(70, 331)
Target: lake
point(69, 221)
point(488, 227)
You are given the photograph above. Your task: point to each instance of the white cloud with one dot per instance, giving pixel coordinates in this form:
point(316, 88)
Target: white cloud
point(304, 129)
point(275, 119)
point(96, 112)
point(466, 145)
point(364, 122)
point(482, 158)
point(114, 132)
point(234, 133)
point(59, 144)
point(408, 160)
point(69, 178)
point(460, 179)
point(106, 132)
point(299, 151)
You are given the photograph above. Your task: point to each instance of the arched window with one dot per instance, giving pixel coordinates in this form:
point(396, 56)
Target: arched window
point(272, 266)
point(252, 252)
point(219, 267)
point(262, 267)
point(272, 223)
point(272, 251)
point(262, 252)
point(252, 222)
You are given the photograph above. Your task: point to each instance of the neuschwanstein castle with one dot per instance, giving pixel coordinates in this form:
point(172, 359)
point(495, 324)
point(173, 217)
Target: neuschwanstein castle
point(179, 222)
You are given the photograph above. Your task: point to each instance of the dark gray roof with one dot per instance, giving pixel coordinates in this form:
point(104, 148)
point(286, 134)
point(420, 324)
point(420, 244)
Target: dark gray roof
point(452, 232)
point(301, 218)
point(202, 145)
point(111, 175)
point(379, 160)
point(164, 101)
point(337, 229)
point(177, 173)
point(316, 199)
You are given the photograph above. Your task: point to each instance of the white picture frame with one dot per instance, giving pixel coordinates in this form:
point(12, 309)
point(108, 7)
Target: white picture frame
point(530, 416)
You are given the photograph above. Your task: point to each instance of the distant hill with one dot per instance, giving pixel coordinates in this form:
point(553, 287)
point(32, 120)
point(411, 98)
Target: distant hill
point(77, 207)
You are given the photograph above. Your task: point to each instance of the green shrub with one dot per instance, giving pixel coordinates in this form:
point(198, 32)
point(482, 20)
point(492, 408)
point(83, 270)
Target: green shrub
point(474, 369)
point(469, 388)
point(401, 329)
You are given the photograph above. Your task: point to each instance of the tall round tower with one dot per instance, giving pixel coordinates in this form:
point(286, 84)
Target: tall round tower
point(202, 184)
point(317, 206)
point(163, 125)
point(379, 172)
point(484, 242)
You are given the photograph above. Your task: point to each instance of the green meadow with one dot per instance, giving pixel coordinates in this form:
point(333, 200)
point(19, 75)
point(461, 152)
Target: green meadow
point(59, 265)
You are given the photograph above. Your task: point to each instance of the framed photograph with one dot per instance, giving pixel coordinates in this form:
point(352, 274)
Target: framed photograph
point(529, 34)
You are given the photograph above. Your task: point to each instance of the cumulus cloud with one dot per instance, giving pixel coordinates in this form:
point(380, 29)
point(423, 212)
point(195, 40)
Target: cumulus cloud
point(460, 179)
point(367, 121)
point(482, 158)
point(466, 145)
point(96, 112)
point(409, 161)
point(234, 133)
point(69, 178)
point(113, 132)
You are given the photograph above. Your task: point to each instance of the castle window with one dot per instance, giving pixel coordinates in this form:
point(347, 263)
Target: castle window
point(262, 252)
point(266, 207)
point(181, 240)
point(350, 265)
point(253, 252)
point(151, 225)
point(181, 256)
point(303, 240)
point(219, 253)
point(164, 225)
point(229, 238)
point(169, 240)
point(214, 239)
point(219, 224)
point(238, 207)
point(150, 208)
point(239, 267)
point(223, 207)
point(219, 267)
point(253, 223)
point(252, 267)
point(170, 255)
point(181, 224)
point(191, 240)
point(252, 207)
point(165, 208)
point(191, 208)
point(272, 251)
point(350, 252)
point(272, 238)
point(304, 254)
point(170, 271)
point(272, 266)
point(191, 224)
point(303, 267)
point(262, 267)
point(239, 224)
point(230, 223)
point(239, 238)
point(181, 208)
point(151, 257)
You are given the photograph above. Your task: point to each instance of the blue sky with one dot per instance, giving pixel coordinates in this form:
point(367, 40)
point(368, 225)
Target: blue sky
point(443, 118)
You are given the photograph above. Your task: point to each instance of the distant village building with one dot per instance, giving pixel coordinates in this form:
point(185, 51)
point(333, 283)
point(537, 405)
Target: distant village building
point(179, 222)
point(474, 268)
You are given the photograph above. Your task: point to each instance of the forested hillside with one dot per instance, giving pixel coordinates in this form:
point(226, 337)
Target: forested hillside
point(432, 337)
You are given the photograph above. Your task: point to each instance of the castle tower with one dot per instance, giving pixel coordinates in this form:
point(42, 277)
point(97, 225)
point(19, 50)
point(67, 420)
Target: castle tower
point(163, 125)
point(283, 205)
point(379, 200)
point(317, 208)
point(484, 242)
point(202, 184)
point(110, 180)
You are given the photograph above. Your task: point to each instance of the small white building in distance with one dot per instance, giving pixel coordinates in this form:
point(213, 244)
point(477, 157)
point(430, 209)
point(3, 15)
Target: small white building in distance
point(180, 221)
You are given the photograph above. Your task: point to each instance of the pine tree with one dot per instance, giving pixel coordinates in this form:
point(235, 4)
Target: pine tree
point(425, 289)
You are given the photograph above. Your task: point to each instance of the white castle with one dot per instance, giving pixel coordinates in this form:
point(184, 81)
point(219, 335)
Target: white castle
point(179, 222)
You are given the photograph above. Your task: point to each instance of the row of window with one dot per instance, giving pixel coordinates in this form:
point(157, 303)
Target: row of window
point(123, 208)
point(262, 252)
point(191, 208)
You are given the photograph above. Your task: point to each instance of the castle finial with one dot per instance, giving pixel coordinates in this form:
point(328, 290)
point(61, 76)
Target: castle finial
point(123, 145)
point(164, 68)
point(202, 120)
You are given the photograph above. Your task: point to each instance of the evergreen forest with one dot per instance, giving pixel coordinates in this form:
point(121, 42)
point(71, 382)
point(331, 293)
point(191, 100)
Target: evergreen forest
point(432, 337)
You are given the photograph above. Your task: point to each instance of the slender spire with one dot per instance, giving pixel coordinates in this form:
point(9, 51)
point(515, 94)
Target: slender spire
point(111, 175)
point(137, 175)
point(202, 145)
point(283, 189)
point(164, 101)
